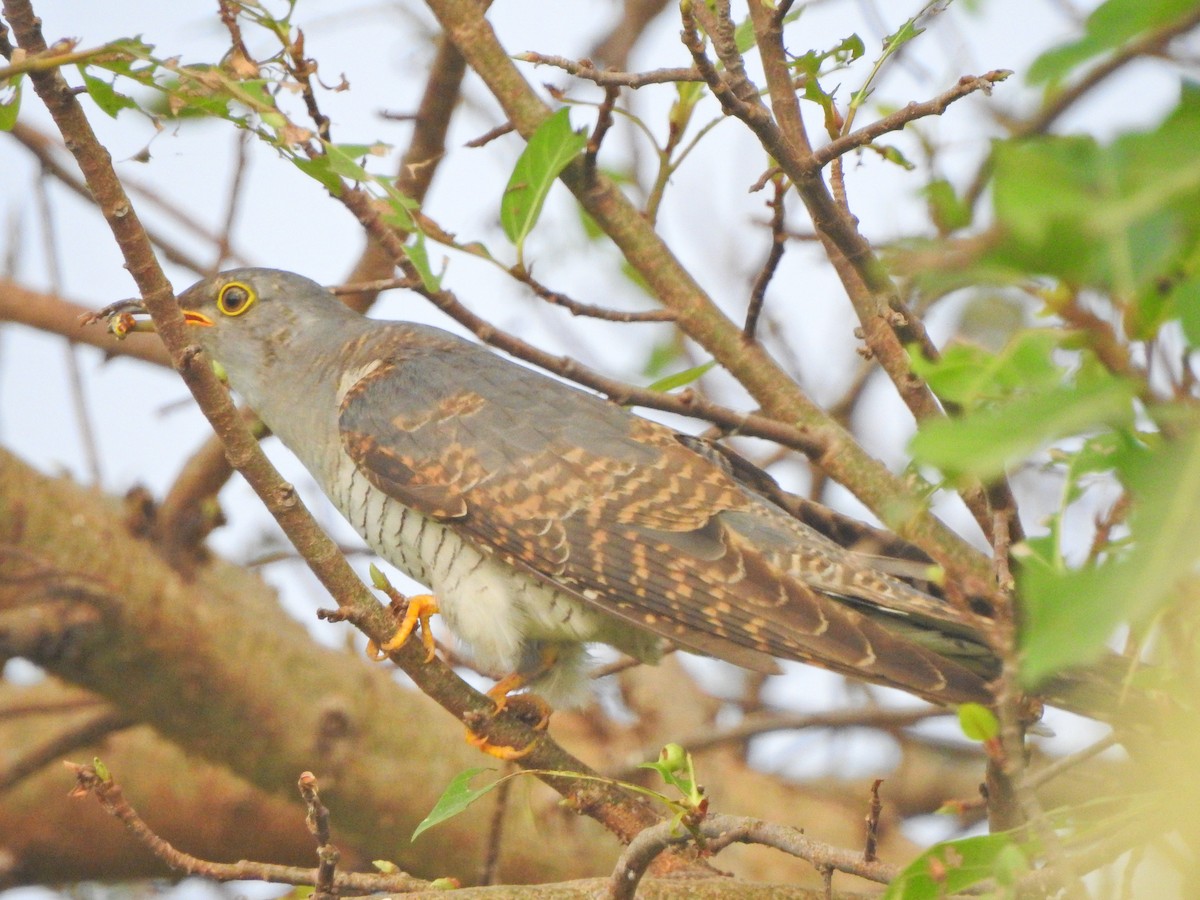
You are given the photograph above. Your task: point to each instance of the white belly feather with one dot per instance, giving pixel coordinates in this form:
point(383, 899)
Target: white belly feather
point(504, 616)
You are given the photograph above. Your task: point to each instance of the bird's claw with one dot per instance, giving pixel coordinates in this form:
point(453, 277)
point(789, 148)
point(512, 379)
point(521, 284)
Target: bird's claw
point(417, 608)
point(530, 708)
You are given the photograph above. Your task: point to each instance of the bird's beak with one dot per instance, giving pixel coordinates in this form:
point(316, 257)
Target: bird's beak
point(121, 320)
point(192, 317)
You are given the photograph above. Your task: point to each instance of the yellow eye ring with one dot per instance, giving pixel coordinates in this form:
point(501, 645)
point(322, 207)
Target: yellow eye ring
point(235, 298)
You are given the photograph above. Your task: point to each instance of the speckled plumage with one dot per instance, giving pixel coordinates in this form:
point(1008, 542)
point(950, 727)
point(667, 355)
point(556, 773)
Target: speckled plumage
point(539, 514)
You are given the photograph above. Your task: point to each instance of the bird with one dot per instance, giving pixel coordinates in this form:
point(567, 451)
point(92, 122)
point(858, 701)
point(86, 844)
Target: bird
point(544, 518)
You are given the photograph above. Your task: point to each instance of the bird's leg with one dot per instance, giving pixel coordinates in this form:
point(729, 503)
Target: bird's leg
point(417, 608)
point(529, 707)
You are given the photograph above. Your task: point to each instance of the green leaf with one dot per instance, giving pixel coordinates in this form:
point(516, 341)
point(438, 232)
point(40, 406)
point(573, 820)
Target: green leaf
point(457, 797)
point(1124, 217)
point(893, 155)
point(743, 35)
point(679, 379)
point(550, 150)
point(418, 255)
point(987, 441)
point(104, 95)
point(344, 161)
point(1069, 614)
point(1110, 25)
point(677, 768)
point(946, 208)
point(379, 581)
point(969, 375)
point(977, 722)
point(320, 169)
point(11, 106)
point(954, 866)
point(743, 32)
point(662, 354)
point(1186, 303)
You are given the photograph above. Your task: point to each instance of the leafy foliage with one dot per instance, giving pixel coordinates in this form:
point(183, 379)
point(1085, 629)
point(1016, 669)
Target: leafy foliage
point(953, 866)
point(550, 150)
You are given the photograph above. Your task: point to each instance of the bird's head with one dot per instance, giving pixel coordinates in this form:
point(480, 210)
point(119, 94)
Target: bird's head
point(249, 321)
point(244, 314)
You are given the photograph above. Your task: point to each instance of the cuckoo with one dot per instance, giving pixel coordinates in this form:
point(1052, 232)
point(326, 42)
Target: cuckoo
point(543, 518)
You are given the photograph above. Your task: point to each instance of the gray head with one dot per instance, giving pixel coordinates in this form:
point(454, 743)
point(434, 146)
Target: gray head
point(245, 317)
point(272, 332)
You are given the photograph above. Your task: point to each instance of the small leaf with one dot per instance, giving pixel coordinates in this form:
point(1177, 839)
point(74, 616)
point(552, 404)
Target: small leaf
point(457, 797)
point(985, 442)
point(104, 95)
point(662, 355)
point(379, 581)
point(418, 255)
point(679, 379)
point(671, 759)
point(321, 170)
point(343, 161)
point(954, 866)
point(10, 107)
point(550, 150)
point(969, 375)
point(1186, 303)
point(977, 722)
point(893, 155)
point(946, 208)
point(400, 206)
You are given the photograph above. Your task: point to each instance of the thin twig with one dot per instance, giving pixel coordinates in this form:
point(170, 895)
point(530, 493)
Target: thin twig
point(83, 417)
point(578, 308)
point(873, 813)
point(495, 836)
point(45, 150)
point(112, 800)
point(488, 136)
point(604, 120)
point(586, 70)
point(89, 732)
point(721, 831)
point(241, 161)
point(896, 121)
point(1059, 766)
point(778, 243)
point(317, 821)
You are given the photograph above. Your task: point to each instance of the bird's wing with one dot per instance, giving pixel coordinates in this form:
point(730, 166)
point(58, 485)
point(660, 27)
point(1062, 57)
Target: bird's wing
point(616, 510)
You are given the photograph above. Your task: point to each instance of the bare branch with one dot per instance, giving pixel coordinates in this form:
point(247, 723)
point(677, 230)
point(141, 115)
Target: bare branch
point(721, 831)
point(586, 70)
point(966, 86)
point(113, 801)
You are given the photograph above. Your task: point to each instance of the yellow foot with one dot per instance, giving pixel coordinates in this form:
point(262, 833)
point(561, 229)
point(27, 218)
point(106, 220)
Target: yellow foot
point(530, 708)
point(417, 608)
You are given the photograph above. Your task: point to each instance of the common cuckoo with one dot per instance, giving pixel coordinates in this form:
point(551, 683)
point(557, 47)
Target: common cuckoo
point(544, 518)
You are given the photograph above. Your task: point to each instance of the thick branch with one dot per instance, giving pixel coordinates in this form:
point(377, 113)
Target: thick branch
point(217, 666)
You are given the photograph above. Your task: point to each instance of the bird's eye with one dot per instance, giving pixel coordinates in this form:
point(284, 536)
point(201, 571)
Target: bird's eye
point(235, 298)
